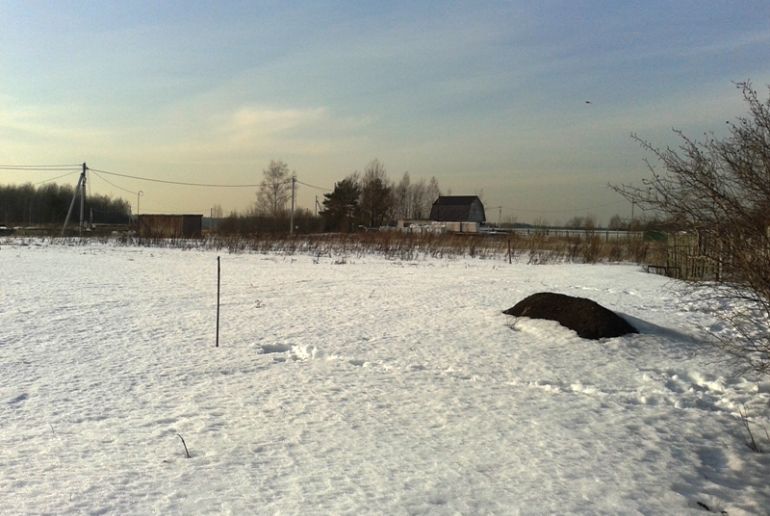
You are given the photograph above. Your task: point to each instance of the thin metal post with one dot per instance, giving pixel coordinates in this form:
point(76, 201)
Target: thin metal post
point(219, 275)
point(291, 215)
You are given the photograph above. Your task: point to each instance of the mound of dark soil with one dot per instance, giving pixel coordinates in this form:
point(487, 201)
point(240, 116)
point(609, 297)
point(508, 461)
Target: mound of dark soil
point(588, 318)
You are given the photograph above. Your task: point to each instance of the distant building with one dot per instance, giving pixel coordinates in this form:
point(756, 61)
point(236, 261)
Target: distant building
point(458, 208)
point(169, 226)
point(449, 214)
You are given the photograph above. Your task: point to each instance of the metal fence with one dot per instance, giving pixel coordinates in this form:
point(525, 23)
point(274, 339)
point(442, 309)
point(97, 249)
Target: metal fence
point(690, 257)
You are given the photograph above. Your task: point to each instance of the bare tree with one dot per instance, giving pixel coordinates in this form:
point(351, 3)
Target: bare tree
point(418, 200)
point(575, 222)
point(719, 191)
point(616, 223)
point(376, 194)
point(413, 200)
point(432, 192)
point(274, 190)
point(402, 201)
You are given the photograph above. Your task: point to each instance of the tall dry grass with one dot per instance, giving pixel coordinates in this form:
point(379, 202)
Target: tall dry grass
point(535, 248)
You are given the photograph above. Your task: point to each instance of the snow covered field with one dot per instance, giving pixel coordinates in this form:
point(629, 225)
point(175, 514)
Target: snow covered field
point(351, 385)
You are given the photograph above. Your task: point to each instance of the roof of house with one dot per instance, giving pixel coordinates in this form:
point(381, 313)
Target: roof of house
point(456, 200)
point(454, 207)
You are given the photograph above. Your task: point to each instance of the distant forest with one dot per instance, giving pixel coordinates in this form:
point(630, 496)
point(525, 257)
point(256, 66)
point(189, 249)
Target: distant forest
point(48, 204)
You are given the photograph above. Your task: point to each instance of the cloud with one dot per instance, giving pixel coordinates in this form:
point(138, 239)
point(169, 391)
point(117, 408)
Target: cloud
point(729, 44)
point(245, 124)
point(250, 132)
point(49, 122)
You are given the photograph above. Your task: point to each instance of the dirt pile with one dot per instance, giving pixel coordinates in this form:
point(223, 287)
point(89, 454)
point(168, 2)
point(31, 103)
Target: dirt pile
point(588, 318)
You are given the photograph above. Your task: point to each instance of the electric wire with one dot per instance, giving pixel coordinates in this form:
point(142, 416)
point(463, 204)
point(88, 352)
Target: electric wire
point(72, 168)
point(40, 168)
point(567, 210)
point(111, 183)
point(314, 186)
point(54, 178)
point(180, 183)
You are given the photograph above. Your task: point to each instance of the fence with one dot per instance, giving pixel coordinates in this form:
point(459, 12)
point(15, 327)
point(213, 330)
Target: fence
point(690, 257)
point(605, 234)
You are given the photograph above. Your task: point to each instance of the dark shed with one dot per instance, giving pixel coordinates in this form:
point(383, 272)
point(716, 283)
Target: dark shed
point(458, 208)
point(170, 226)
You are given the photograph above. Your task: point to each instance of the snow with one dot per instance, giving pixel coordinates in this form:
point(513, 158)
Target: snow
point(354, 385)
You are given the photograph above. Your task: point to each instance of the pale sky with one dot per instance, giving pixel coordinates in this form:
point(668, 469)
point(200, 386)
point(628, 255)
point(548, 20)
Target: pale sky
point(489, 97)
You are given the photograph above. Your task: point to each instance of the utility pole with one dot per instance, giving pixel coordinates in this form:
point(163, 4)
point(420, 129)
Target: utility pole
point(291, 215)
point(138, 195)
point(80, 189)
point(82, 201)
point(499, 213)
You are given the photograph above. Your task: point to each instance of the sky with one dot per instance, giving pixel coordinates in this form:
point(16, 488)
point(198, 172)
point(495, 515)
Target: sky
point(488, 97)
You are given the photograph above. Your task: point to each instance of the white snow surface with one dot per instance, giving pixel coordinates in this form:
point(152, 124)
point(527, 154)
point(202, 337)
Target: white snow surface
point(357, 385)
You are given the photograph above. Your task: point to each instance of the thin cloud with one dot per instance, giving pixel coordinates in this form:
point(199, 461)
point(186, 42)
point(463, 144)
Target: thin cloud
point(727, 45)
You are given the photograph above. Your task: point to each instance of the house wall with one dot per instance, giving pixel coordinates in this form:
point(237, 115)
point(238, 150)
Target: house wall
point(192, 226)
point(432, 226)
point(170, 226)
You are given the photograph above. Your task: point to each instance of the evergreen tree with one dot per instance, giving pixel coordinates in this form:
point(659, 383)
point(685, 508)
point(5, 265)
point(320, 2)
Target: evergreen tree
point(341, 205)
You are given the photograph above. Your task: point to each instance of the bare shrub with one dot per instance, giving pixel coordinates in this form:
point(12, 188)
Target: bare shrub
point(591, 248)
point(640, 250)
point(718, 191)
point(615, 252)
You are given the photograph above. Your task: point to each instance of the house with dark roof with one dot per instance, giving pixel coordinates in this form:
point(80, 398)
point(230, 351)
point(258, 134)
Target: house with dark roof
point(458, 208)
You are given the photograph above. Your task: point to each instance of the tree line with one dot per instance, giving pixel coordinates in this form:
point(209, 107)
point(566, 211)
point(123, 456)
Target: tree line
point(366, 199)
point(48, 204)
point(370, 199)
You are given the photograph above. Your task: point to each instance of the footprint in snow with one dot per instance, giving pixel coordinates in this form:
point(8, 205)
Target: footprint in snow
point(274, 348)
point(18, 400)
point(293, 352)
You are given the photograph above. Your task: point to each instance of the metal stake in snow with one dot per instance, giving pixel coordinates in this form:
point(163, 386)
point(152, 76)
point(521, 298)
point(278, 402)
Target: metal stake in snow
point(219, 275)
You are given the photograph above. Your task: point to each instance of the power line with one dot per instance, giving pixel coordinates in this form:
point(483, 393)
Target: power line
point(570, 209)
point(314, 186)
point(72, 168)
point(40, 168)
point(77, 167)
point(181, 183)
point(111, 183)
point(55, 178)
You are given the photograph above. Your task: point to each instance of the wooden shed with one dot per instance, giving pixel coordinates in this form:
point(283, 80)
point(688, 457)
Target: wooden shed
point(458, 208)
point(169, 226)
